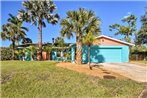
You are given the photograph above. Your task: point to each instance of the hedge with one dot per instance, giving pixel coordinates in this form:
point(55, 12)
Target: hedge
point(6, 53)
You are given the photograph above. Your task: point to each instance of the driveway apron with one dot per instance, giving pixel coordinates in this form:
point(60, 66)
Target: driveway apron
point(132, 71)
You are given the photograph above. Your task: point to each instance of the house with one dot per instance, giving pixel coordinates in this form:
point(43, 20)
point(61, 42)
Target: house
point(55, 54)
point(104, 49)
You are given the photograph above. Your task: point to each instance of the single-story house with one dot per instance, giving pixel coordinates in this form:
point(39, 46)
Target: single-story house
point(104, 49)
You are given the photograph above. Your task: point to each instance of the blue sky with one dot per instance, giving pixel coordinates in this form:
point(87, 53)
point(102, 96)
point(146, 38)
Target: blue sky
point(109, 12)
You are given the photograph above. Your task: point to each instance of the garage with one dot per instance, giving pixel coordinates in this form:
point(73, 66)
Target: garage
point(104, 49)
point(107, 54)
point(100, 54)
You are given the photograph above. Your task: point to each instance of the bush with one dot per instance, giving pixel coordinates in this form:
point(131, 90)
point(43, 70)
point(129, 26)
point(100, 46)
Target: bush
point(6, 54)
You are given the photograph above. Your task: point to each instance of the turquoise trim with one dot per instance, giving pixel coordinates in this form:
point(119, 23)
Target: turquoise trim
point(125, 54)
point(53, 55)
point(73, 54)
point(85, 54)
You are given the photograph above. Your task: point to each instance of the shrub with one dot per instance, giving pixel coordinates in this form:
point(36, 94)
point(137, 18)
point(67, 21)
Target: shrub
point(6, 53)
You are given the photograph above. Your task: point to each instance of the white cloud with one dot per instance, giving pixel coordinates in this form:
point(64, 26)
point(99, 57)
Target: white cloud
point(129, 13)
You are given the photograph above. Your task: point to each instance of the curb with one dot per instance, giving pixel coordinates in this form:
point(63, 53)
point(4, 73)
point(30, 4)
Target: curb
point(143, 94)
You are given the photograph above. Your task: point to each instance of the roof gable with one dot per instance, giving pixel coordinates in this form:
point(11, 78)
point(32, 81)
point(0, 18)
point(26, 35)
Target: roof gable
point(116, 40)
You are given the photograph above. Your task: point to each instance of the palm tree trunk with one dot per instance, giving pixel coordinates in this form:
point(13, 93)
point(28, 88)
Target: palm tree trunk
point(40, 40)
point(13, 49)
point(79, 51)
point(90, 67)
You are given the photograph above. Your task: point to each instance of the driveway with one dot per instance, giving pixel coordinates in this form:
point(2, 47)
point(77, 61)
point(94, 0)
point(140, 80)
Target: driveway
point(132, 71)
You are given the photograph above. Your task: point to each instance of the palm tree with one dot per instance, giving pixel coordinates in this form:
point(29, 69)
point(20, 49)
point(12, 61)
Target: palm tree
point(80, 22)
point(13, 31)
point(88, 40)
point(36, 12)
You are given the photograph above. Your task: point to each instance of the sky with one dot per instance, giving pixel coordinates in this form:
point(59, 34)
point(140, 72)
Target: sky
point(109, 12)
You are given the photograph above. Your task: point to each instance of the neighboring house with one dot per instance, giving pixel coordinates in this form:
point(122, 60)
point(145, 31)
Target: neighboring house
point(104, 49)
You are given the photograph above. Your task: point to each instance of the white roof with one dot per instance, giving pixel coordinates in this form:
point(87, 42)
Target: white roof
point(130, 44)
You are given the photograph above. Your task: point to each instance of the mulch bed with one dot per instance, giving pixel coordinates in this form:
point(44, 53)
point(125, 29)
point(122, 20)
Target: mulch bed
point(96, 71)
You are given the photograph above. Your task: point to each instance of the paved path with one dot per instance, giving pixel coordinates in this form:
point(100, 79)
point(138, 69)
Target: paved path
point(132, 71)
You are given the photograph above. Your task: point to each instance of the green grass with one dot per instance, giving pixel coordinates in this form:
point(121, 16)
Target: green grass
point(22, 79)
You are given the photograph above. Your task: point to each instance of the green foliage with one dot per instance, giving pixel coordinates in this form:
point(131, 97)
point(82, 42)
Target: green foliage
point(22, 79)
point(127, 39)
point(59, 42)
point(47, 48)
point(33, 50)
point(19, 54)
point(138, 48)
point(27, 52)
point(138, 52)
point(80, 22)
point(26, 41)
point(37, 11)
point(6, 53)
point(88, 39)
point(128, 30)
point(13, 30)
point(67, 55)
point(141, 36)
point(131, 20)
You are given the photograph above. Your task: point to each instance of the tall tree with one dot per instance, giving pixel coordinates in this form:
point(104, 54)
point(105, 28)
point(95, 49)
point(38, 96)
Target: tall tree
point(37, 12)
point(80, 22)
point(141, 36)
point(126, 30)
point(13, 31)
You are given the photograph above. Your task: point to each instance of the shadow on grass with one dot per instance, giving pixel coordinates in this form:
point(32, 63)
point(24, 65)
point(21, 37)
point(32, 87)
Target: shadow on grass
point(109, 77)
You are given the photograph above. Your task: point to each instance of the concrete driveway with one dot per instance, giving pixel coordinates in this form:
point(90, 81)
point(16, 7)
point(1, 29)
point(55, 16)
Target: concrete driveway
point(132, 71)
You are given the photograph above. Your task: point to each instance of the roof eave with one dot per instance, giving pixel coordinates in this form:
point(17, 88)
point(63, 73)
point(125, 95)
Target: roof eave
point(129, 44)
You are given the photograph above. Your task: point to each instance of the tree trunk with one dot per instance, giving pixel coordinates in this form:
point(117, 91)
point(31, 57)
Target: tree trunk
point(13, 49)
point(90, 67)
point(79, 51)
point(40, 40)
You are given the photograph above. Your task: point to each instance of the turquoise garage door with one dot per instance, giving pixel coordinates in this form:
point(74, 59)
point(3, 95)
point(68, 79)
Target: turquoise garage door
point(106, 54)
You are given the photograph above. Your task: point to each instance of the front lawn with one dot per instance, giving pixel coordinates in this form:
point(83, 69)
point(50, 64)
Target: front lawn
point(43, 79)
